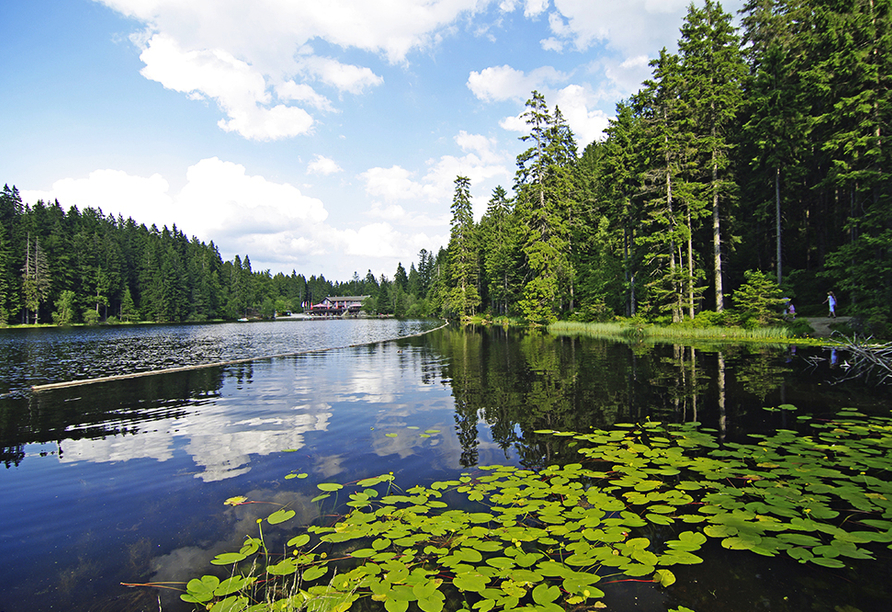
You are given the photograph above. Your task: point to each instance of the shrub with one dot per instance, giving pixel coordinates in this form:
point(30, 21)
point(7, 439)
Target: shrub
point(595, 311)
point(800, 327)
point(64, 315)
point(759, 298)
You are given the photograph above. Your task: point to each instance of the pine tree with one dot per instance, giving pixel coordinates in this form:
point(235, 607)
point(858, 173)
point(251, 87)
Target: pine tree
point(712, 69)
point(11, 210)
point(35, 278)
point(463, 297)
point(622, 164)
point(543, 186)
point(665, 189)
point(857, 74)
point(775, 127)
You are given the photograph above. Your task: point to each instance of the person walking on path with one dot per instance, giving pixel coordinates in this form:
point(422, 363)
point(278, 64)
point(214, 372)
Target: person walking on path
point(831, 303)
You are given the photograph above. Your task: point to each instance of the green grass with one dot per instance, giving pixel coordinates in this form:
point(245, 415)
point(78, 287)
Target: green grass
point(636, 331)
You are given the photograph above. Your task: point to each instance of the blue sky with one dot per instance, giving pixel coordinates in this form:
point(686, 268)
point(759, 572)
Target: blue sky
point(318, 136)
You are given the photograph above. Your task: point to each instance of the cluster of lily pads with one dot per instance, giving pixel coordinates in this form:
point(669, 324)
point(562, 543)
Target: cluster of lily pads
point(506, 538)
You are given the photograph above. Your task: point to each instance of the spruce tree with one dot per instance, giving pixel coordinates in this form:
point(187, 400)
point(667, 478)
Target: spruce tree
point(711, 69)
point(463, 297)
point(622, 164)
point(543, 185)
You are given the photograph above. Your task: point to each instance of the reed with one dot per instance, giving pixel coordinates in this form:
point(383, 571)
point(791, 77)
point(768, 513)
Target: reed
point(641, 331)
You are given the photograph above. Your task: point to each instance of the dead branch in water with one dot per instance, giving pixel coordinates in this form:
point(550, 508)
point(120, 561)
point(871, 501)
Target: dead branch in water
point(868, 359)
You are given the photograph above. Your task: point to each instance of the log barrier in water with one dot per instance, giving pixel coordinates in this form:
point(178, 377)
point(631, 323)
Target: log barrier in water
point(217, 364)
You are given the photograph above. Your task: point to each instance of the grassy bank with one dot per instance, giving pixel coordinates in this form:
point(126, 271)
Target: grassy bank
point(642, 332)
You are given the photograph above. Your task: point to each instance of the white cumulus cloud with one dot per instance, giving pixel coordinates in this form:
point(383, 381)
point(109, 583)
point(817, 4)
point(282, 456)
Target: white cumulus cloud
point(220, 201)
point(577, 105)
point(239, 54)
point(114, 191)
point(239, 90)
point(480, 162)
point(499, 83)
point(323, 165)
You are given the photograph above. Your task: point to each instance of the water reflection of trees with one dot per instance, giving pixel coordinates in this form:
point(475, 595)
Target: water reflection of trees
point(100, 410)
point(520, 381)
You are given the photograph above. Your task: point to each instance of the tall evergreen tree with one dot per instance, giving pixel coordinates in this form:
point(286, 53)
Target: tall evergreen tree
point(35, 278)
point(621, 168)
point(772, 135)
point(857, 73)
point(712, 69)
point(463, 297)
point(543, 188)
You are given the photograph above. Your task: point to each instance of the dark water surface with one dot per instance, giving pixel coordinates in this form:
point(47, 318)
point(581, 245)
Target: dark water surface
point(125, 481)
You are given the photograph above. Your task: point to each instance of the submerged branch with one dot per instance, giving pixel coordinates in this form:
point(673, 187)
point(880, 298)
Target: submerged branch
point(868, 359)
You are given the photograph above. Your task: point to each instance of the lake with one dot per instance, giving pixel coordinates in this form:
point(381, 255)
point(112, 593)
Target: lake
point(125, 481)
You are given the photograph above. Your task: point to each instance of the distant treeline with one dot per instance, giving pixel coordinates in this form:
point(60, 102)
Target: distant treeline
point(82, 266)
point(750, 154)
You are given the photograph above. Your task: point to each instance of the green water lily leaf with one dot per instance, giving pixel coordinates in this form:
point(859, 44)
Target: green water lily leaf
point(470, 581)
point(824, 561)
point(395, 605)
point(231, 585)
point(659, 519)
point(522, 576)
point(544, 594)
point(371, 482)
point(740, 543)
point(282, 568)
point(433, 603)
point(315, 572)
point(664, 577)
point(300, 540)
point(228, 558)
point(679, 557)
point(720, 531)
point(329, 486)
point(230, 604)
point(800, 554)
point(201, 590)
point(799, 539)
point(280, 516)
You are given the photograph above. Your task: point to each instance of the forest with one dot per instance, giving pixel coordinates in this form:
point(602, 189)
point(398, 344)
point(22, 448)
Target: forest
point(752, 155)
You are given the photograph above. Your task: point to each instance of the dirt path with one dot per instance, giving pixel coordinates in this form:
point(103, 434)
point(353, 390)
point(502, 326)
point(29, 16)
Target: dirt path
point(821, 325)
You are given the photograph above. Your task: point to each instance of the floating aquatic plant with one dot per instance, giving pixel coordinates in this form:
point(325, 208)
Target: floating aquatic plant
point(506, 537)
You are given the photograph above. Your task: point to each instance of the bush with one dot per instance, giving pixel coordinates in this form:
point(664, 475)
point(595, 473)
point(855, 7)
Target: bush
point(91, 317)
point(64, 315)
point(874, 324)
point(710, 318)
point(759, 298)
point(800, 327)
point(595, 311)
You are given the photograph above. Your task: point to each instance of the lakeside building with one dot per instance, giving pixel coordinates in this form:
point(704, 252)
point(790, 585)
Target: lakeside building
point(337, 306)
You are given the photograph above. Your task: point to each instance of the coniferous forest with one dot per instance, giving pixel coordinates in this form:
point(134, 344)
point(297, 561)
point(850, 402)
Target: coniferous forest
point(750, 154)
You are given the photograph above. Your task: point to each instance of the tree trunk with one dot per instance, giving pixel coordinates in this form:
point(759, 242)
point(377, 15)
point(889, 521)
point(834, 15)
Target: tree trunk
point(777, 220)
point(716, 237)
point(690, 266)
